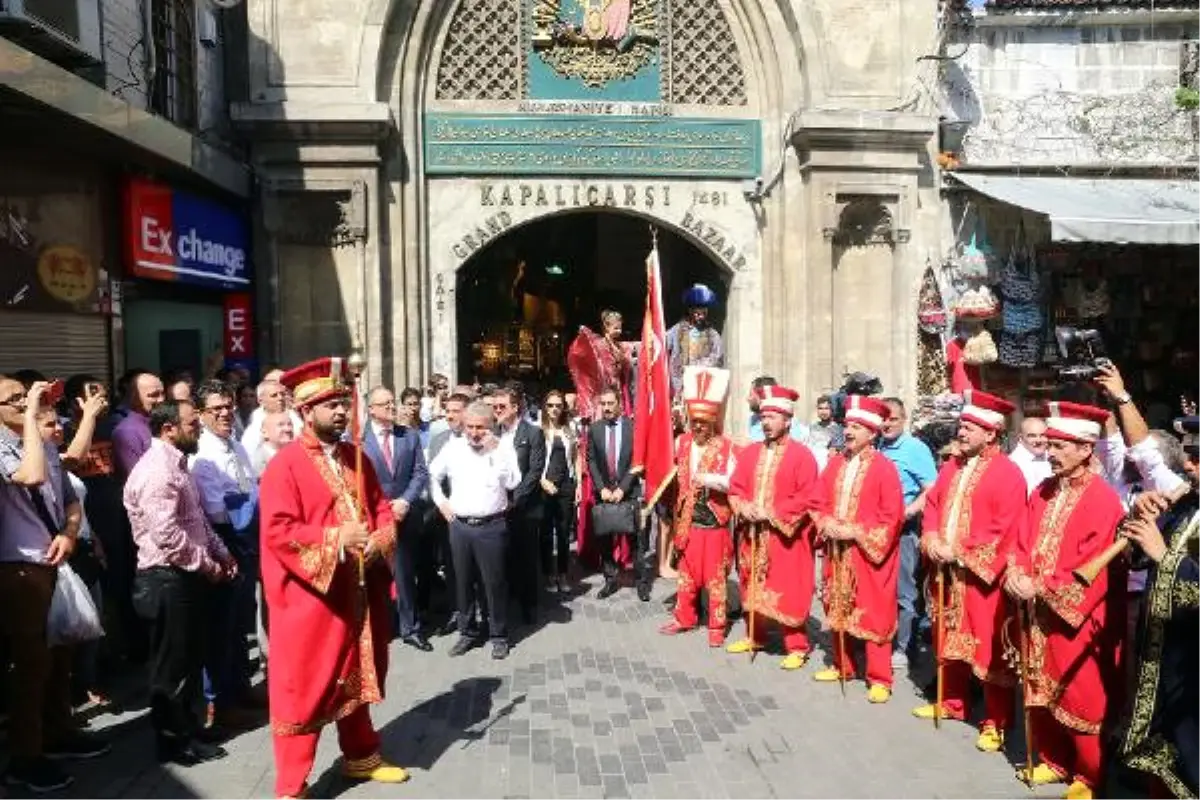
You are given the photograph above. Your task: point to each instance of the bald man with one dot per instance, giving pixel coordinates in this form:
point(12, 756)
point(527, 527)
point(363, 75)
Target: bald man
point(1030, 453)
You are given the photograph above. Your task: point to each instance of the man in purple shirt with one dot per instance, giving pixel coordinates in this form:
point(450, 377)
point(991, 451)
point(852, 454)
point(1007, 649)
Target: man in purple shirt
point(39, 522)
point(131, 437)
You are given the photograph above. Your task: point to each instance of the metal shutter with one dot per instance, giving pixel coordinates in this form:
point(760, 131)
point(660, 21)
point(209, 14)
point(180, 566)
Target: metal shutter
point(56, 345)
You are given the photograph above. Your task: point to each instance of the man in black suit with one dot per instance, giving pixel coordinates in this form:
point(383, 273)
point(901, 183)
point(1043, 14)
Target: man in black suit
point(610, 459)
point(395, 452)
point(525, 505)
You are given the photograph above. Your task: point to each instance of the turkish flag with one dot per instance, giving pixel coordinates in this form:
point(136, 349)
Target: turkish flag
point(653, 442)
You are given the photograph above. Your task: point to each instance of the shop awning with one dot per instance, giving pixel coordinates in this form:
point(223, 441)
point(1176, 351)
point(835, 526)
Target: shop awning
point(1116, 210)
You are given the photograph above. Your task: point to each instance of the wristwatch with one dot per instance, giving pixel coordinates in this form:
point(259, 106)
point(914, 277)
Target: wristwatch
point(1122, 398)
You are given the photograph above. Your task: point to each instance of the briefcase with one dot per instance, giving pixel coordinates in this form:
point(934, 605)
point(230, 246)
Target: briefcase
point(610, 518)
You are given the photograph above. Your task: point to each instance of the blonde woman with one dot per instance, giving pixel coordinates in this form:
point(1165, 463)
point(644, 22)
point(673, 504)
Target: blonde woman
point(559, 478)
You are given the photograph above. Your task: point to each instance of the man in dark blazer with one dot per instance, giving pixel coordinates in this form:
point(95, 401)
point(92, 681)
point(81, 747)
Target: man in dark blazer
point(525, 505)
point(395, 452)
point(614, 480)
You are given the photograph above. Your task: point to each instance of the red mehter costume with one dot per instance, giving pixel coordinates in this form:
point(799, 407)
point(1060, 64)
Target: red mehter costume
point(1076, 634)
point(781, 477)
point(329, 642)
point(702, 512)
point(977, 506)
point(862, 494)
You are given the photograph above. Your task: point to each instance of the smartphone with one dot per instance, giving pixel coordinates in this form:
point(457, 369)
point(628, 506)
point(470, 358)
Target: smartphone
point(54, 393)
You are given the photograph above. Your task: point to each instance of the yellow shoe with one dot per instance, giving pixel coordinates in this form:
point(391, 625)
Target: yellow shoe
point(741, 646)
point(827, 675)
point(374, 768)
point(878, 693)
point(1078, 791)
point(990, 740)
point(794, 661)
point(1042, 775)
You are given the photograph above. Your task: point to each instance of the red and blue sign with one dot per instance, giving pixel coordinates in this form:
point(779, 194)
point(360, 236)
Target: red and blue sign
point(176, 236)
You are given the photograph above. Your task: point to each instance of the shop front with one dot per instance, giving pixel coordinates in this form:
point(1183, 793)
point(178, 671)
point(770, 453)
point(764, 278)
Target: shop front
point(1055, 272)
point(188, 274)
point(54, 298)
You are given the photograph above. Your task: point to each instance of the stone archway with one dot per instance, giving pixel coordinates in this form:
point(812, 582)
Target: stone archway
point(468, 215)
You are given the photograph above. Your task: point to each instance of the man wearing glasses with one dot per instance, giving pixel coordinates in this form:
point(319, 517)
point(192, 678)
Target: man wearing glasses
point(225, 479)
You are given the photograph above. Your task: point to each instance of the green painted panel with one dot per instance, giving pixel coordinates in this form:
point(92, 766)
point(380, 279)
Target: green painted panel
point(464, 144)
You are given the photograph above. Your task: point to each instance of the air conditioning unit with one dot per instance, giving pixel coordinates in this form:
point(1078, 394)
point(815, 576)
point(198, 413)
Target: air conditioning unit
point(66, 32)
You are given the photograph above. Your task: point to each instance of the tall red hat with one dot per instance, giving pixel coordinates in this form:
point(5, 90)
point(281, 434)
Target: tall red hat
point(704, 391)
point(986, 410)
point(1074, 422)
point(867, 411)
point(777, 398)
point(317, 381)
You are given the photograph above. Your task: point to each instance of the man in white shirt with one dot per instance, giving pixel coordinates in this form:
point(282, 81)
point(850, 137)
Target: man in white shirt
point(1030, 453)
point(225, 480)
point(278, 431)
point(272, 399)
point(482, 472)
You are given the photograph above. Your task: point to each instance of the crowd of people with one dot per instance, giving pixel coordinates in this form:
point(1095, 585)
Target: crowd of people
point(202, 514)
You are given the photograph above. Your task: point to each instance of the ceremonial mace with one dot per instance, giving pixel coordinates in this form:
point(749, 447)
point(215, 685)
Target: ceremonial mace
point(1088, 573)
point(836, 554)
point(356, 364)
point(940, 646)
point(753, 533)
point(1024, 620)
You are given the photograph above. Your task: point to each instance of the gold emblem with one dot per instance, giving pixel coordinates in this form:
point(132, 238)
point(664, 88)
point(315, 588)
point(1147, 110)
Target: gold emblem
point(66, 273)
point(602, 41)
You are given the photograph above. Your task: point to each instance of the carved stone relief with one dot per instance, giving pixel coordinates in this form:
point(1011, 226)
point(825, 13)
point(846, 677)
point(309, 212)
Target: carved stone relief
point(859, 220)
point(318, 218)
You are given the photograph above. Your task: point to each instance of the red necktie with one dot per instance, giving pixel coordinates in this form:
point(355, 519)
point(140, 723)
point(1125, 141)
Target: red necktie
point(612, 452)
point(387, 449)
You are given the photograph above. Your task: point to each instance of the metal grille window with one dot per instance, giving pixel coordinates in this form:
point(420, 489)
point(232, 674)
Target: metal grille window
point(173, 90)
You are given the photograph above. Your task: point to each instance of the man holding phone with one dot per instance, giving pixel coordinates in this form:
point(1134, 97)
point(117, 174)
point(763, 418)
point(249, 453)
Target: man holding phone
point(39, 522)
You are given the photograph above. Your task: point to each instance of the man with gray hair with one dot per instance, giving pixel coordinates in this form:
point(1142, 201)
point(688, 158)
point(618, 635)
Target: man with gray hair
point(482, 471)
point(272, 399)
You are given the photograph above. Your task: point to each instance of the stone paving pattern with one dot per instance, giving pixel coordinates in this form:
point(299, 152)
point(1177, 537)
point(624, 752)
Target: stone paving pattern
point(595, 703)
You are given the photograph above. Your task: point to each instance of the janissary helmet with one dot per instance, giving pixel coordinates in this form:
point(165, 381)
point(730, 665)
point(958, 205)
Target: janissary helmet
point(699, 296)
point(779, 399)
point(870, 412)
point(1074, 422)
point(986, 410)
point(317, 381)
point(704, 392)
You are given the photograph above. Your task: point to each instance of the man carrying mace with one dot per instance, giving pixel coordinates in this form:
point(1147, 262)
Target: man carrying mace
point(327, 537)
point(773, 491)
point(973, 517)
point(1074, 630)
point(862, 511)
point(704, 465)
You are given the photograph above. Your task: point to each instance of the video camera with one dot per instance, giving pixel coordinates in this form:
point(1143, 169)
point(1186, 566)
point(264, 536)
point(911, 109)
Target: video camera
point(859, 383)
point(1082, 352)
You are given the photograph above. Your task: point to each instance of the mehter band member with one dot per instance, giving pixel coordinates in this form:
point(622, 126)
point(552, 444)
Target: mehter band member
point(693, 342)
point(973, 517)
point(325, 554)
point(774, 491)
point(1076, 631)
point(705, 463)
point(1162, 734)
point(862, 511)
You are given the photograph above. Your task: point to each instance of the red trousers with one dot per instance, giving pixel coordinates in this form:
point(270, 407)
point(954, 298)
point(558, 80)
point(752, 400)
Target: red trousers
point(879, 659)
point(956, 692)
point(795, 640)
point(1074, 754)
point(294, 754)
point(704, 565)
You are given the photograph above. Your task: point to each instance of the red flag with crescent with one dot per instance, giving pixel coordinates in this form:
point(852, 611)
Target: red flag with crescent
point(653, 443)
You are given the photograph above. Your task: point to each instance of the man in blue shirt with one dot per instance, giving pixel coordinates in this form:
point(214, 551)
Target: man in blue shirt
point(799, 431)
point(918, 471)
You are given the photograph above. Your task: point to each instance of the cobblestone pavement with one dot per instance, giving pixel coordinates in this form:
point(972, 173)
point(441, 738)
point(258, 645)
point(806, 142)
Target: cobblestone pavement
point(595, 703)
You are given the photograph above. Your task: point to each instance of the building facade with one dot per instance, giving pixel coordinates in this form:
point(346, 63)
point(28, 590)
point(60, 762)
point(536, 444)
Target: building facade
point(96, 97)
point(417, 160)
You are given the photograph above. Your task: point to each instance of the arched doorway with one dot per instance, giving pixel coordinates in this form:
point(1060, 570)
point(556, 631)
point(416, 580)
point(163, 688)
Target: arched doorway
point(521, 298)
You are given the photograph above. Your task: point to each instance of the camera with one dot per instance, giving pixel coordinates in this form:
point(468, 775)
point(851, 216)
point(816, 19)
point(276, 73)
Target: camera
point(1082, 352)
point(860, 383)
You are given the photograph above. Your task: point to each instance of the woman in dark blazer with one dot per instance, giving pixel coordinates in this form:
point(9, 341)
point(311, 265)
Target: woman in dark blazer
point(559, 479)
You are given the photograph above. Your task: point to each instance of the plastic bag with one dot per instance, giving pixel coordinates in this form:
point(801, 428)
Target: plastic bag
point(73, 617)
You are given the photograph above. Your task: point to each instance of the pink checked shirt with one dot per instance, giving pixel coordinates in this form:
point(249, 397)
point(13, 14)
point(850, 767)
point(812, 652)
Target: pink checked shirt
point(169, 526)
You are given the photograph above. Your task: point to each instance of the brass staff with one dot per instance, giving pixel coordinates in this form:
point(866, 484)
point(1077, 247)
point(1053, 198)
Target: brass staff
point(355, 364)
point(836, 554)
point(940, 646)
point(753, 533)
point(1024, 622)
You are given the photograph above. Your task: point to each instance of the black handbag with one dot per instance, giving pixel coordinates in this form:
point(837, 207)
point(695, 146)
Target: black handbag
point(610, 518)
